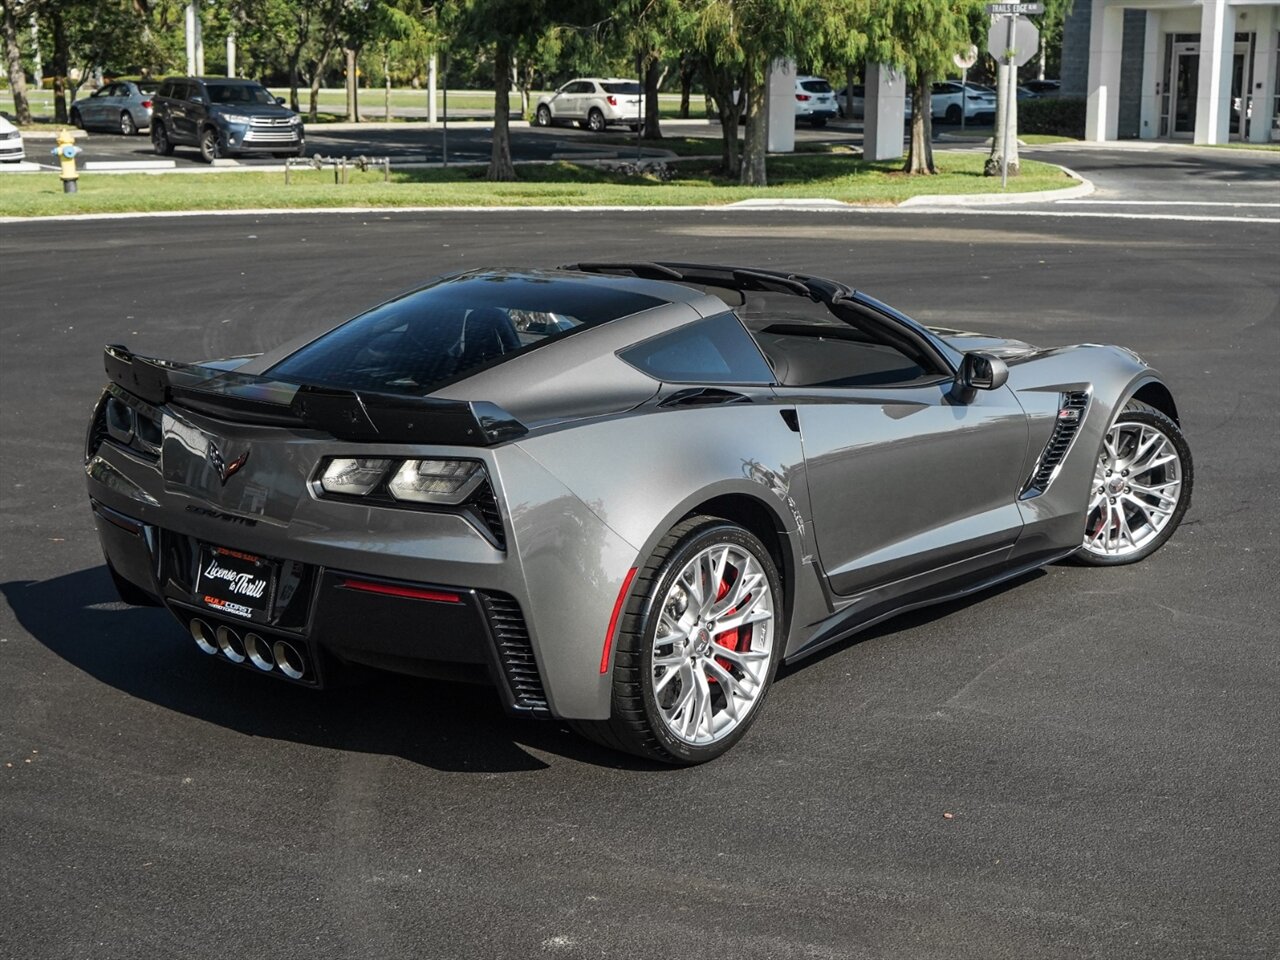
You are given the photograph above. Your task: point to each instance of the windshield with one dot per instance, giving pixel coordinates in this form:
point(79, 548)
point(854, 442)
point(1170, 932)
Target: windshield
point(239, 93)
point(421, 341)
point(626, 88)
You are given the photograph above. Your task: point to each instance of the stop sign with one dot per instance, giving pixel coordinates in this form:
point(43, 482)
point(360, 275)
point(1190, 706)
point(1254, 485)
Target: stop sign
point(1026, 40)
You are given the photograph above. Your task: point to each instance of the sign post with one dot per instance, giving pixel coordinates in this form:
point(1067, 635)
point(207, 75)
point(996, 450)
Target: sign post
point(964, 61)
point(1018, 45)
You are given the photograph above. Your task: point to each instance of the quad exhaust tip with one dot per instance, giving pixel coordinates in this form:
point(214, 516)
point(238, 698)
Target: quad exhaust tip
point(204, 637)
point(259, 651)
point(290, 661)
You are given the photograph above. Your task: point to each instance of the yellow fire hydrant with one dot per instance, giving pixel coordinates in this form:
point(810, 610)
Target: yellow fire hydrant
point(66, 152)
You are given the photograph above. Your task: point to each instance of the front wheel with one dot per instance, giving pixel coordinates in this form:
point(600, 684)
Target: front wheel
point(1141, 488)
point(542, 117)
point(77, 120)
point(697, 646)
point(209, 148)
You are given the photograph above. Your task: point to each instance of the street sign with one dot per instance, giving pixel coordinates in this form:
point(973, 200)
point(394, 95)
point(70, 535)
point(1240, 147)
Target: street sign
point(1023, 44)
point(966, 59)
point(1015, 9)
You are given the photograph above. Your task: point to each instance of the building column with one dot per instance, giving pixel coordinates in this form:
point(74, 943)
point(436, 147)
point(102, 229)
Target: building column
point(1106, 41)
point(231, 54)
point(432, 116)
point(195, 40)
point(1262, 120)
point(780, 87)
point(1153, 78)
point(883, 112)
point(1217, 49)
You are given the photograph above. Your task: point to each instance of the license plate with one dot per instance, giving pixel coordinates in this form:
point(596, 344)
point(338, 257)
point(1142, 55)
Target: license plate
point(233, 582)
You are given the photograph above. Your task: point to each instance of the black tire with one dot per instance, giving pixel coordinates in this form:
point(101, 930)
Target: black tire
point(635, 725)
point(953, 113)
point(595, 121)
point(210, 149)
point(127, 127)
point(1137, 412)
point(160, 141)
point(77, 120)
point(818, 122)
point(542, 116)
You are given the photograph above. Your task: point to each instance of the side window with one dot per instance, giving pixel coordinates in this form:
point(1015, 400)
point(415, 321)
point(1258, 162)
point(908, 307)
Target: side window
point(715, 350)
point(833, 355)
point(195, 90)
point(166, 89)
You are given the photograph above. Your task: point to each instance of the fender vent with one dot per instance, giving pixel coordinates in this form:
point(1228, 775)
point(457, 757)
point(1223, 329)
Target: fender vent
point(1071, 409)
point(515, 652)
point(484, 506)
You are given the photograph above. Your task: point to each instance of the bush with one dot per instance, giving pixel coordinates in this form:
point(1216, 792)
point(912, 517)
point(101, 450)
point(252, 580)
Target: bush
point(1059, 116)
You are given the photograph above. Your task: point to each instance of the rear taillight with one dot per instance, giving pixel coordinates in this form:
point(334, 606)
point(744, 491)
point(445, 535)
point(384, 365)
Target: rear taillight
point(613, 101)
point(802, 96)
point(146, 104)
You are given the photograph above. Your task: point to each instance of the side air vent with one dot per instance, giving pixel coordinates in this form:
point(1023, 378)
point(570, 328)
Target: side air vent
point(1071, 409)
point(515, 652)
point(483, 505)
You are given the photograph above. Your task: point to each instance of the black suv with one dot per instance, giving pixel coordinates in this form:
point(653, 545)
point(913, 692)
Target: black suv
point(223, 116)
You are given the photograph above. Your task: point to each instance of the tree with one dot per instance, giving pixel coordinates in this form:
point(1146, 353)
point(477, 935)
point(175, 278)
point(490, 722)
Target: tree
point(13, 61)
point(743, 38)
point(501, 26)
point(919, 37)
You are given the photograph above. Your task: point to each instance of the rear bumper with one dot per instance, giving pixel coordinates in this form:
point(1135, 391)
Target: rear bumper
point(335, 617)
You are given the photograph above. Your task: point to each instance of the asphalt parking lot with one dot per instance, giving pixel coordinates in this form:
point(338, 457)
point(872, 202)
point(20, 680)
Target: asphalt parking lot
point(1104, 741)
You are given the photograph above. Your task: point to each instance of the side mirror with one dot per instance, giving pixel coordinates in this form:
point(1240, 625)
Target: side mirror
point(280, 100)
point(979, 371)
point(197, 99)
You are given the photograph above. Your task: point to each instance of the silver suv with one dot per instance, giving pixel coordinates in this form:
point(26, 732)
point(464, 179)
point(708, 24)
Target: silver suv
point(593, 103)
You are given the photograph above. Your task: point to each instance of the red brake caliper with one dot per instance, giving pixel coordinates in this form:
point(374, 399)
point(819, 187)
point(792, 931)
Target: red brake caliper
point(735, 639)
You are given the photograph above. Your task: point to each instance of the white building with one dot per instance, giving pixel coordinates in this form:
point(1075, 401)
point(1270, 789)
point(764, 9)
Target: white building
point(1210, 69)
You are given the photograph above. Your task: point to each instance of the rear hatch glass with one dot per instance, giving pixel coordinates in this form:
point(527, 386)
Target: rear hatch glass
point(816, 86)
point(434, 336)
point(630, 89)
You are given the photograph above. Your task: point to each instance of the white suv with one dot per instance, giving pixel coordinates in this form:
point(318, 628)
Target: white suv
point(10, 143)
point(593, 103)
point(815, 100)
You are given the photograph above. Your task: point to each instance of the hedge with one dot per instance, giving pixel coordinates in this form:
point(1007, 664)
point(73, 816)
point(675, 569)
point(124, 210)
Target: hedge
point(1060, 116)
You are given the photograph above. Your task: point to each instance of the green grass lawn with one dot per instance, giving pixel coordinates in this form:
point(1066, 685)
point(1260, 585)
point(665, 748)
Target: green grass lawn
point(833, 176)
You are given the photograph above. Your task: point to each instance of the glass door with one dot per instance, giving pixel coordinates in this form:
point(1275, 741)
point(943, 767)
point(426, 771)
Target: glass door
point(1186, 83)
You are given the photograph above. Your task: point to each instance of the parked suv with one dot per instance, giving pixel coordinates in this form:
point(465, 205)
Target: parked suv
point(592, 103)
point(222, 117)
point(815, 100)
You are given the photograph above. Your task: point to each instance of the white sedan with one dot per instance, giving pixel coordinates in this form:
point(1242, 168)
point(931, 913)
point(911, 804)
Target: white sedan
point(11, 149)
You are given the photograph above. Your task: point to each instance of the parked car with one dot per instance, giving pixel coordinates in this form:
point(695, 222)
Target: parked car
point(850, 101)
point(815, 101)
point(222, 117)
point(950, 97)
point(11, 149)
point(593, 103)
point(1044, 88)
point(589, 486)
point(122, 105)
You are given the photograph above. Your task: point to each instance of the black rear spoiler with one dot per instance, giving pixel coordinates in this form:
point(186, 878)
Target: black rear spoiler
point(360, 416)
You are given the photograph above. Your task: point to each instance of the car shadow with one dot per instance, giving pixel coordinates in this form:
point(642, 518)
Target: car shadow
point(145, 653)
point(909, 621)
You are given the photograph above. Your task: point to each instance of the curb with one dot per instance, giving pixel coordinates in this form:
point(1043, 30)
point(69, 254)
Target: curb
point(1082, 189)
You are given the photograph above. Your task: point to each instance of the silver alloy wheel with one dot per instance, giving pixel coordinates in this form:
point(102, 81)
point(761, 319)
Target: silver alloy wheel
point(713, 644)
point(127, 126)
point(1136, 487)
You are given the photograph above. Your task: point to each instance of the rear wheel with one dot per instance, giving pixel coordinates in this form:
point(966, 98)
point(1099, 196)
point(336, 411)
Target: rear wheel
point(127, 126)
point(1141, 488)
point(818, 121)
point(953, 113)
point(697, 647)
point(595, 120)
point(160, 141)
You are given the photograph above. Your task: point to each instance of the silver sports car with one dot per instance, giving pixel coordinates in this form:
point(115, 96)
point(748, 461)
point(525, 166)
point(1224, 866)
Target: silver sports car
point(624, 493)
